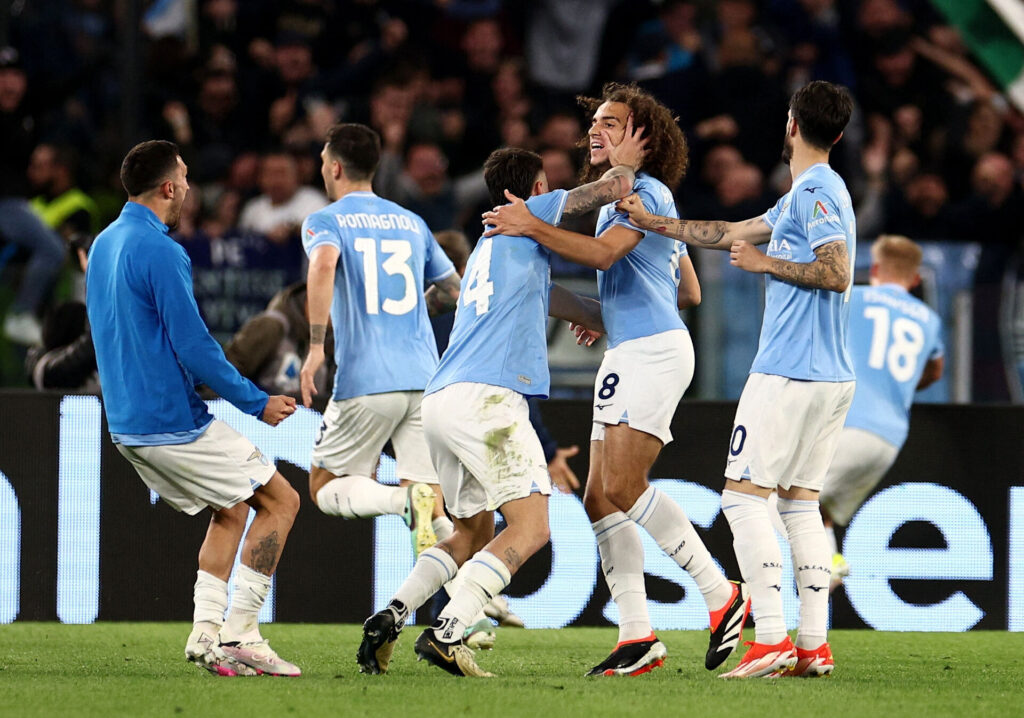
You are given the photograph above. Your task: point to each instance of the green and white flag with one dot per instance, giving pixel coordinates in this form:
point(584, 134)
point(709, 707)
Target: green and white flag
point(994, 30)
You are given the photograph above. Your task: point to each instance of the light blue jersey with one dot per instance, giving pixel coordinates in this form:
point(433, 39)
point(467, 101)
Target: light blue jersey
point(638, 293)
point(803, 335)
point(500, 334)
point(893, 334)
point(382, 337)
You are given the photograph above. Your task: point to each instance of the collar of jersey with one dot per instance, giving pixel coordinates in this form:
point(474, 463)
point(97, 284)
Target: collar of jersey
point(361, 193)
point(134, 209)
point(803, 174)
point(900, 287)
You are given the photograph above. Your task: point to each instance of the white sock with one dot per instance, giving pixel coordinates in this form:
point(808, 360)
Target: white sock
point(622, 562)
point(433, 569)
point(830, 535)
point(443, 527)
point(812, 568)
point(486, 577)
point(357, 497)
point(452, 587)
point(773, 513)
point(210, 598)
point(251, 588)
point(670, 527)
point(760, 561)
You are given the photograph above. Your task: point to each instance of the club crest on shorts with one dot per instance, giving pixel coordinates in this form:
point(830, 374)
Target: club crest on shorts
point(257, 454)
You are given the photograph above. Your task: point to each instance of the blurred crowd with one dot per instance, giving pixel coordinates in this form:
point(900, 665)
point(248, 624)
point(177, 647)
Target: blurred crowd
point(248, 88)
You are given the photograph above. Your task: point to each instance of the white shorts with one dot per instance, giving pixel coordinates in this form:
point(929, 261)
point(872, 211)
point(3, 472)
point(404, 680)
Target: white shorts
point(219, 469)
point(861, 461)
point(354, 432)
point(640, 383)
point(483, 447)
point(786, 431)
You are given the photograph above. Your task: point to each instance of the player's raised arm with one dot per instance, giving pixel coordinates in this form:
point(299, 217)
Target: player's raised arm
point(697, 233)
point(829, 270)
point(625, 158)
point(599, 252)
point(319, 294)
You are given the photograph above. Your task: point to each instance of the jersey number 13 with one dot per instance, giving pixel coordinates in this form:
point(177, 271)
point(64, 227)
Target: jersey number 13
point(397, 254)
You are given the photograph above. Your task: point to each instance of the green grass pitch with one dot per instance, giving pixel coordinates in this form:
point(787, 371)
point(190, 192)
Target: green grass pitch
point(138, 669)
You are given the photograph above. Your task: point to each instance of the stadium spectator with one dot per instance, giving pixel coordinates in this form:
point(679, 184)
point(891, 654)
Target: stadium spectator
point(52, 171)
point(425, 188)
point(563, 44)
point(19, 225)
point(921, 209)
point(235, 273)
point(316, 62)
point(67, 358)
point(283, 202)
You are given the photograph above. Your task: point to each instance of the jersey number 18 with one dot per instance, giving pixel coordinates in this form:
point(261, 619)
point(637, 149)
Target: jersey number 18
point(899, 351)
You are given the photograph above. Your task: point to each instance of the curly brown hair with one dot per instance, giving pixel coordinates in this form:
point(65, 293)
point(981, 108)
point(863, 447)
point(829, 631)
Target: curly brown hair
point(667, 155)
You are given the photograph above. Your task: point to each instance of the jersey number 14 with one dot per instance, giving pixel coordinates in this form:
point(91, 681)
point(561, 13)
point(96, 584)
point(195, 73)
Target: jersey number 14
point(479, 286)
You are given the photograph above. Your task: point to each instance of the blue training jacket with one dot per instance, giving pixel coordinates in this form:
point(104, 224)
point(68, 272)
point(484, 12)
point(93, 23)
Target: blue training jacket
point(152, 347)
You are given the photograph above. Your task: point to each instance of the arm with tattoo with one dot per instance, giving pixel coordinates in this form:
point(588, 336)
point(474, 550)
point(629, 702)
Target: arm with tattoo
point(830, 269)
point(443, 295)
point(614, 184)
point(710, 235)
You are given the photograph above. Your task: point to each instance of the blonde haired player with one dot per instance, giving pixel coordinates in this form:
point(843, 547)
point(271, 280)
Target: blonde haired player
point(896, 345)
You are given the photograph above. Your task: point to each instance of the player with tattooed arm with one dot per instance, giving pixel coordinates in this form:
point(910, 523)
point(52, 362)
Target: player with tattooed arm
point(792, 409)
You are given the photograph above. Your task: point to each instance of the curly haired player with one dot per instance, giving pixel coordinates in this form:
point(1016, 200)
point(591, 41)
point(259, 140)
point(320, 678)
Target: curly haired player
point(644, 278)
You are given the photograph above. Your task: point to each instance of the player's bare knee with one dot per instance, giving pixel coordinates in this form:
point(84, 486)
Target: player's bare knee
point(234, 517)
point(540, 537)
point(622, 494)
point(594, 503)
point(290, 502)
point(318, 478)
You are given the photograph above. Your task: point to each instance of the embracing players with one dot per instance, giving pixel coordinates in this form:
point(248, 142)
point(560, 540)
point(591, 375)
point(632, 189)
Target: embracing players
point(646, 370)
point(476, 417)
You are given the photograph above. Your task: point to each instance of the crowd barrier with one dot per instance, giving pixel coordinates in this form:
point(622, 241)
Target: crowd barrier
point(939, 547)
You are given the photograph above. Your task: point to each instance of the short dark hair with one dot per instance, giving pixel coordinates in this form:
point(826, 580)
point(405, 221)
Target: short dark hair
point(357, 147)
point(821, 110)
point(147, 165)
point(511, 169)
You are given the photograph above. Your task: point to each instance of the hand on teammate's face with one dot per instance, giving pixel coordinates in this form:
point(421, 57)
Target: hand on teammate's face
point(278, 408)
point(513, 220)
point(630, 150)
